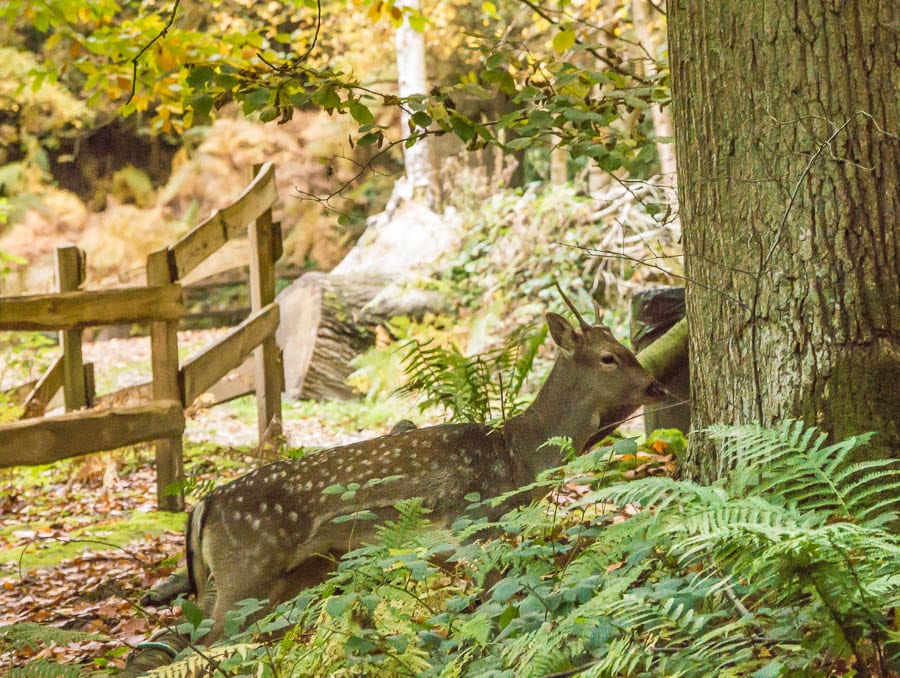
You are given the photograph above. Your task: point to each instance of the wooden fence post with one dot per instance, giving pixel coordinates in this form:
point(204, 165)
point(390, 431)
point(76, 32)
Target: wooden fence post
point(70, 272)
point(164, 359)
point(268, 379)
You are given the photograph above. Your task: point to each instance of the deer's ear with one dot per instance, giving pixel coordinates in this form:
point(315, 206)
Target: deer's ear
point(562, 331)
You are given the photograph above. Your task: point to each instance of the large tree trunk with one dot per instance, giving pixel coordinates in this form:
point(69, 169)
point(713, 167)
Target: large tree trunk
point(786, 123)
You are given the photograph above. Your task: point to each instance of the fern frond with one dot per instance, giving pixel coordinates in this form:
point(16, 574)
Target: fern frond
point(659, 492)
point(43, 668)
point(793, 463)
point(195, 664)
point(411, 518)
point(31, 635)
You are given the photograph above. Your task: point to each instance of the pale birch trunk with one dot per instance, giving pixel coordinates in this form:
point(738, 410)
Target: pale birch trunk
point(412, 79)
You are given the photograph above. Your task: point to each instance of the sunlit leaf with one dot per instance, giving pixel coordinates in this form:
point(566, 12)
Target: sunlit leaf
point(563, 40)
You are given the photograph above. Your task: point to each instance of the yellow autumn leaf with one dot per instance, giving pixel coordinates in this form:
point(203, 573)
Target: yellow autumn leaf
point(563, 40)
point(165, 59)
point(141, 102)
point(374, 12)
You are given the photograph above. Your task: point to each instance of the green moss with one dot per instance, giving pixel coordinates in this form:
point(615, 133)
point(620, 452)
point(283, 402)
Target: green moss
point(112, 533)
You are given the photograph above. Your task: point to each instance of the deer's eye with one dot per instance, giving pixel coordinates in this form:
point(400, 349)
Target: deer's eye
point(608, 359)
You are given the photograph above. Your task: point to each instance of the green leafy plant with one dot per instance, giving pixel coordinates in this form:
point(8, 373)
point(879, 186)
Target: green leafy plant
point(786, 567)
point(479, 388)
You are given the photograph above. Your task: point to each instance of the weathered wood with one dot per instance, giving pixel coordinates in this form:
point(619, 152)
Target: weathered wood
point(164, 363)
point(15, 395)
point(90, 384)
point(327, 320)
point(45, 388)
point(227, 224)
point(70, 310)
point(320, 333)
point(69, 276)
point(42, 441)
point(127, 396)
point(268, 369)
point(204, 370)
point(239, 382)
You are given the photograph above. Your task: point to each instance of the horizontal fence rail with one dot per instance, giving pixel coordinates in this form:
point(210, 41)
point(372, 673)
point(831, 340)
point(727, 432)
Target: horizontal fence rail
point(71, 310)
point(32, 442)
point(126, 417)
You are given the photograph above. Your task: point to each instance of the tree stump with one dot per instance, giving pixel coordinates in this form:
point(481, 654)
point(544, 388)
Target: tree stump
point(321, 332)
point(327, 319)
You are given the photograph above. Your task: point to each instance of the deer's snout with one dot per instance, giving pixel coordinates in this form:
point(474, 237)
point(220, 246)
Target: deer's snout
point(655, 392)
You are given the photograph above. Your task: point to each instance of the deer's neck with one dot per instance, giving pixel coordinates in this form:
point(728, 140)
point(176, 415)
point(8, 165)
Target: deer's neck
point(559, 409)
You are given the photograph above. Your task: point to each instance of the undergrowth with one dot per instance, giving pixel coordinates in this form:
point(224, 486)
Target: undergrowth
point(786, 567)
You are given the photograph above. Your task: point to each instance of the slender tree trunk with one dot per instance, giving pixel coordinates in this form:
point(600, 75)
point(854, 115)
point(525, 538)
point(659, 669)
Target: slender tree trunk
point(662, 121)
point(787, 126)
point(412, 79)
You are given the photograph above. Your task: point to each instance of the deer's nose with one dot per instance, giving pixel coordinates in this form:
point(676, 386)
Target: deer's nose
point(656, 391)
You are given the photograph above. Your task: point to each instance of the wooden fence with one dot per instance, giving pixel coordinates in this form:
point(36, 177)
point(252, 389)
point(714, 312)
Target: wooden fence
point(40, 439)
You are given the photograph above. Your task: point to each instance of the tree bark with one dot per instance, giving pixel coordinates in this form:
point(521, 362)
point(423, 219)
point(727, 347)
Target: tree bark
point(321, 334)
point(786, 123)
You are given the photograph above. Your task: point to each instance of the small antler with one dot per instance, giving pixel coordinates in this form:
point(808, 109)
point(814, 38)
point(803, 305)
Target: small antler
point(598, 312)
point(581, 321)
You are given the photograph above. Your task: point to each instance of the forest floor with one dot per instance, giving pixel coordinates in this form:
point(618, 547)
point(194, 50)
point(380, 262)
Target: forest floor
point(81, 541)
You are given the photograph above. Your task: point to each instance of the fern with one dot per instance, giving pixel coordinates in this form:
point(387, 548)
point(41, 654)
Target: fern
point(31, 635)
point(780, 568)
point(43, 668)
point(472, 388)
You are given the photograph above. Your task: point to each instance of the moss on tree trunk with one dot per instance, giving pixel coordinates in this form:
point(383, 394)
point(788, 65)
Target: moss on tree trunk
point(786, 123)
